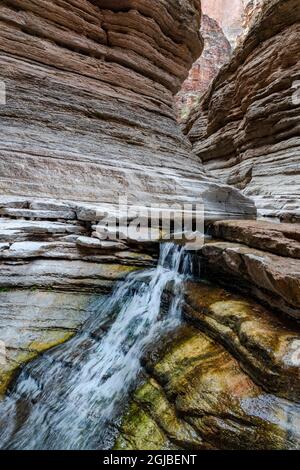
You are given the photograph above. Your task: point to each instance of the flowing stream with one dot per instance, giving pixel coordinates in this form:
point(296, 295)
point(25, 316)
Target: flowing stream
point(68, 398)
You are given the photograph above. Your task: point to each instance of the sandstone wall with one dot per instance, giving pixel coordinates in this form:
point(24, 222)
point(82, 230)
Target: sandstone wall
point(245, 130)
point(217, 51)
point(89, 87)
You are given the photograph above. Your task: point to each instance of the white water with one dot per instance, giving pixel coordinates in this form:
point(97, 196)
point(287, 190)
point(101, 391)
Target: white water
point(66, 399)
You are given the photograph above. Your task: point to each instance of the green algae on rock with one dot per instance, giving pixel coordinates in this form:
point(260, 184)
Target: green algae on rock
point(206, 388)
point(32, 322)
point(268, 349)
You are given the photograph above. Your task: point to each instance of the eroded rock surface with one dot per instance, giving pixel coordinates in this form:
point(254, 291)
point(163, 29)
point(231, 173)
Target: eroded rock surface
point(245, 129)
point(52, 268)
point(280, 239)
point(273, 279)
point(199, 390)
point(33, 321)
point(267, 347)
point(89, 102)
point(217, 51)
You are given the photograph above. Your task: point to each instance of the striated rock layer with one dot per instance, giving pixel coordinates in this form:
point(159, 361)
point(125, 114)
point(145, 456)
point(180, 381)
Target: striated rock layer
point(197, 396)
point(245, 129)
point(89, 94)
point(217, 51)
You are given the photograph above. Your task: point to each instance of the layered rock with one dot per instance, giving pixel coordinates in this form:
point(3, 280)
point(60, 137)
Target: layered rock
point(217, 51)
point(89, 93)
point(198, 397)
point(229, 15)
point(259, 258)
point(251, 12)
point(53, 268)
point(245, 129)
point(33, 321)
point(267, 348)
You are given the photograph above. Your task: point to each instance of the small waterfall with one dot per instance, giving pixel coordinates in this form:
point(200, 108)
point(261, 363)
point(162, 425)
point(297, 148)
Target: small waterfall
point(67, 398)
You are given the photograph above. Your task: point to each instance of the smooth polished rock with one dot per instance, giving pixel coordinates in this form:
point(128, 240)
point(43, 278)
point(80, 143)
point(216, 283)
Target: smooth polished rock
point(267, 347)
point(32, 322)
point(280, 239)
point(245, 129)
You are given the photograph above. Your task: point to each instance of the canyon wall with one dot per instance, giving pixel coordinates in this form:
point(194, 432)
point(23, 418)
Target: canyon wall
point(245, 129)
point(86, 115)
point(217, 51)
point(228, 14)
point(224, 25)
point(89, 101)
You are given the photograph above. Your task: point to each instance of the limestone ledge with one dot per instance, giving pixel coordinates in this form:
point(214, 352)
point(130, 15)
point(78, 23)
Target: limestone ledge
point(271, 278)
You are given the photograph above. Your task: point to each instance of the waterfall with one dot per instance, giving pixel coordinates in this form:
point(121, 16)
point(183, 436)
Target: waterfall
point(67, 398)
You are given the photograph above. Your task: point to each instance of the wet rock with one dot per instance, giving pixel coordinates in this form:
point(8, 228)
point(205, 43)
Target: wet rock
point(208, 390)
point(158, 424)
point(268, 349)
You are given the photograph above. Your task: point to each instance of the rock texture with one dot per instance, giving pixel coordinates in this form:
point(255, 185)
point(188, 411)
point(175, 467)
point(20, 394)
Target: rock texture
point(33, 321)
point(260, 258)
point(229, 14)
point(89, 94)
point(267, 348)
point(245, 129)
point(217, 51)
point(198, 397)
point(52, 269)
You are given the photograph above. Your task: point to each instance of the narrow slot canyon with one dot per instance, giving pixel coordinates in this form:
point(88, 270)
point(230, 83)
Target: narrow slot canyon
point(149, 225)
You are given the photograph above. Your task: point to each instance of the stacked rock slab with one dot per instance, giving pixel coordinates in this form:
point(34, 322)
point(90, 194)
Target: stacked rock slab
point(89, 92)
point(245, 129)
point(257, 258)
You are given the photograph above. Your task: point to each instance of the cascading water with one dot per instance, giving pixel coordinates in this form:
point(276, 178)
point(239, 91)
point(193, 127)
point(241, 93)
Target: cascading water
point(67, 398)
